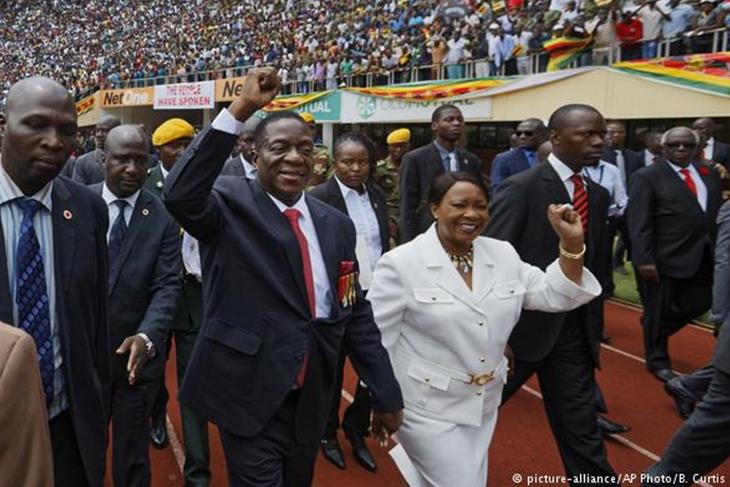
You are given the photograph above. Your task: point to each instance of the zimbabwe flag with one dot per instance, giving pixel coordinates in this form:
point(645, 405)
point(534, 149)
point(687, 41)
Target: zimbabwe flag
point(563, 50)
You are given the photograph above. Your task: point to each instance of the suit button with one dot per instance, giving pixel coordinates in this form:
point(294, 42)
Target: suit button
point(481, 323)
point(427, 379)
point(482, 359)
point(479, 393)
point(433, 298)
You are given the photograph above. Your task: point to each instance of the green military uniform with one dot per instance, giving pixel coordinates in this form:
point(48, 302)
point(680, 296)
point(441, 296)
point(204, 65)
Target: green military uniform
point(387, 176)
point(185, 327)
point(322, 161)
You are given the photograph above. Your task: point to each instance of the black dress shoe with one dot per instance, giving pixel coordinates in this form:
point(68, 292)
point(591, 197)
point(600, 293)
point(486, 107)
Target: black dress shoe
point(606, 339)
point(361, 452)
point(332, 452)
point(664, 375)
point(682, 398)
point(158, 433)
point(608, 427)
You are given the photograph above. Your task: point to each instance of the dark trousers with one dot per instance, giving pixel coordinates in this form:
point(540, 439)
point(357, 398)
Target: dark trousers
point(568, 387)
point(668, 306)
point(698, 382)
point(131, 405)
point(623, 245)
point(702, 442)
point(356, 419)
point(274, 457)
point(68, 468)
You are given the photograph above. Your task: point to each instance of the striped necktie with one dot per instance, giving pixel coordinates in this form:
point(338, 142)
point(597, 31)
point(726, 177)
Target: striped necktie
point(580, 200)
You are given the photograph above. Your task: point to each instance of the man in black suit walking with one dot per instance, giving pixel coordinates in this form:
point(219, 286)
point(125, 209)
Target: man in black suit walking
point(672, 210)
point(53, 274)
point(264, 364)
point(144, 288)
point(89, 168)
point(561, 348)
point(421, 166)
point(365, 204)
point(242, 163)
point(715, 150)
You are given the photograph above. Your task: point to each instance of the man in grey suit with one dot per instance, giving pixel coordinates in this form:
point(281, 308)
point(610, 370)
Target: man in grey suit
point(143, 292)
point(89, 168)
point(242, 164)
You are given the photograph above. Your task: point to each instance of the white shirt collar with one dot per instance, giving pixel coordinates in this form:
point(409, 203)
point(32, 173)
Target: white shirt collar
point(564, 172)
point(164, 172)
point(346, 190)
point(10, 191)
point(110, 197)
point(300, 205)
point(248, 168)
point(691, 168)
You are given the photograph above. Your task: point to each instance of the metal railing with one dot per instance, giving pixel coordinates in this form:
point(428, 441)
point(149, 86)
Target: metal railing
point(468, 69)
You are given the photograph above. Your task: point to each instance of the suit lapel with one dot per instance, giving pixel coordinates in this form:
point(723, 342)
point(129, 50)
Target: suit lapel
point(714, 193)
point(6, 304)
point(327, 242)
point(381, 215)
point(554, 184)
point(524, 162)
point(594, 219)
point(64, 238)
point(334, 196)
point(278, 225)
point(483, 276)
point(681, 189)
point(140, 214)
point(442, 271)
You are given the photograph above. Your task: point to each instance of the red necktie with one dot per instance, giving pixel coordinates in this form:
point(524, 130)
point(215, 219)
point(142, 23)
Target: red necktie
point(293, 215)
point(580, 200)
point(689, 181)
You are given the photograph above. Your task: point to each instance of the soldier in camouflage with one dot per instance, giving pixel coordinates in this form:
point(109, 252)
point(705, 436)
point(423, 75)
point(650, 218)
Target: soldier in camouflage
point(322, 168)
point(387, 176)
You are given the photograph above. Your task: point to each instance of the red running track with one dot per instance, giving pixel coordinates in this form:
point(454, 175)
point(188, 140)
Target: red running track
point(523, 444)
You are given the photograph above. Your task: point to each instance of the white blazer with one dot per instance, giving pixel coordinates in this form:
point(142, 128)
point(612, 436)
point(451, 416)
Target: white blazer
point(439, 333)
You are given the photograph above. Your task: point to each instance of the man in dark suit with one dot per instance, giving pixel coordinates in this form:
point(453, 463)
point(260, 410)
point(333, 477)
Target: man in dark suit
point(561, 348)
point(263, 367)
point(715, 151)
point(702, 443)
point(672, 210)
point(241, 164)
point(171, 139)
point(421, 166)
point(89, 168)
point(144, 288)
point(529, 135)
point(628, 163)
point(53, 274)
point(365, 204)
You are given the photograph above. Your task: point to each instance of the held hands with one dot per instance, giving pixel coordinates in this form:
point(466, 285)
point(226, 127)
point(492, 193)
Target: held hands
point(259, 88)
point(566, 223)
point(385, 424)
point(135, 345)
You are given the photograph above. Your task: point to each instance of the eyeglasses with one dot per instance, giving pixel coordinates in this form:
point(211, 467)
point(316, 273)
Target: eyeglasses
point(526, 133)
point(677, 145)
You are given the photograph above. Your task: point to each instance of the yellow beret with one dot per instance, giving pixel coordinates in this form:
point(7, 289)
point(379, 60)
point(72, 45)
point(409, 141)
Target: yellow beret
point(307, 117)
point(171, 130)
point(399, 136)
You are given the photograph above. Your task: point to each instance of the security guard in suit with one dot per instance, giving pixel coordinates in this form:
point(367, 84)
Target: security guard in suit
point(171, 139)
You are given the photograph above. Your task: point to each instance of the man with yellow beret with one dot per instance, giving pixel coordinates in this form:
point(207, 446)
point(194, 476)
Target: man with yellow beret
point(170, 140)
point(322, 159)
point(387, 175)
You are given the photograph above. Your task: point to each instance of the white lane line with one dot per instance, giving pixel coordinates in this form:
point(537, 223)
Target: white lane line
point(347, 396)
point(177, 448)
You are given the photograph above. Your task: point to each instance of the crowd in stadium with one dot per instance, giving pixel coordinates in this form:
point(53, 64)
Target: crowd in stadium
point(318, 44)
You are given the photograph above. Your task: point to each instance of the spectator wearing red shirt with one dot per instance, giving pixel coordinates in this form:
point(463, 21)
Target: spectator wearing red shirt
point(630, 32)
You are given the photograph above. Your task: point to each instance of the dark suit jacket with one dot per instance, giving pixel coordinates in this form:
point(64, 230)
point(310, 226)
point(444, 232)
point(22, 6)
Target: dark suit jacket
point(419, 169)
point(89, 168)
point(330, 193)
point(519, 215)
point(80, 221)
point(233, 167)
point(505, 165)
point(633, 161)
point(146, 288)
point(257, 326)
point(190, 306)
point(666, 224)
point(721, 153)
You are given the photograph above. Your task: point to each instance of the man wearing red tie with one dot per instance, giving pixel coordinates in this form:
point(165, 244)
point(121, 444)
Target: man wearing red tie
point(281, 297)
point(672, 209)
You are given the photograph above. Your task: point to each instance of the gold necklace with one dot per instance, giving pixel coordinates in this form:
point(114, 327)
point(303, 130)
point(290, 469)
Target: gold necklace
point(463, 263)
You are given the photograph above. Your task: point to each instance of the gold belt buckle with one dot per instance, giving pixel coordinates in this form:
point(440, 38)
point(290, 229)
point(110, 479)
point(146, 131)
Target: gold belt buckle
point(482, 379)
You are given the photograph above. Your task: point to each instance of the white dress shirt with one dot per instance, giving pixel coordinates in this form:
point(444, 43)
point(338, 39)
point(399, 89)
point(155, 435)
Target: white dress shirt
point(649, 158)
point(565, 174)
point(225, 122)
point(709, 148)
point(362, 214)
point(113, 209)
point(699, 183)
point(609, 176)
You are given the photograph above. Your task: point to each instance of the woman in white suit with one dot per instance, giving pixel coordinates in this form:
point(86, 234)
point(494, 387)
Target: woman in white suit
point(446, 303)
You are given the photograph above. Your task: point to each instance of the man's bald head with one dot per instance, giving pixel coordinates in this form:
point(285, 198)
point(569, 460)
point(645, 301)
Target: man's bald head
point(245, 142)
point(126, 154)
point(706, 126)
point(39, 132)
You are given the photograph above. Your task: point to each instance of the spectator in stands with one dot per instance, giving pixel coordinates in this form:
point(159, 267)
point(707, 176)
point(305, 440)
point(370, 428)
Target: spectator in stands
point(605, 39)
point(455, 56)
point(652, 18)
point(630, 34)
point(680, 19)
point(707, 19)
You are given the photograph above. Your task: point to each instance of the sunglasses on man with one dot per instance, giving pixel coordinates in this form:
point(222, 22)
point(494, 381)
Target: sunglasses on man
point(526, 133)
point(677, 145)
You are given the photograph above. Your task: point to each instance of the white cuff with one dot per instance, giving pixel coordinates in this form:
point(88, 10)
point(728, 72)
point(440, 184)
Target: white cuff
point(225, 122)
point(588, 287)
point(150, 347)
